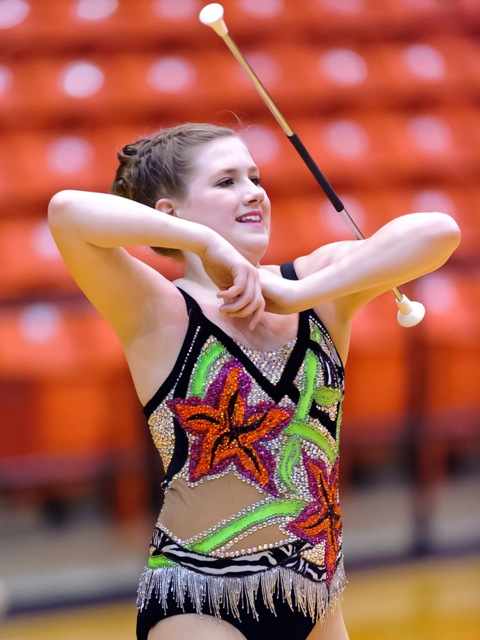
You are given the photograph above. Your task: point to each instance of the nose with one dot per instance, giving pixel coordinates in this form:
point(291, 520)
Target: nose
point(254, 192)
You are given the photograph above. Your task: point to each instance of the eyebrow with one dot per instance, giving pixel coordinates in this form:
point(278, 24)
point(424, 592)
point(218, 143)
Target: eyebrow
point(235, 170)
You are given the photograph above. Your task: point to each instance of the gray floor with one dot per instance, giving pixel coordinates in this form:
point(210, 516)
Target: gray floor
point(91, 559)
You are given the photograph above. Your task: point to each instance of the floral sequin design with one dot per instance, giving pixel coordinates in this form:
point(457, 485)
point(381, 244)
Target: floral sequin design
point(320, 521)
point(225, 430)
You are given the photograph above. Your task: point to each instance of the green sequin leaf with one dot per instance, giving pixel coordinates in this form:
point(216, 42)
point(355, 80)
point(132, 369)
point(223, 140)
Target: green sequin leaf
point(308, 433)
point(327, 396)
point(316, 335)
point(204, 363)
point(255, 517)
point(308, 387)
point(291, 453)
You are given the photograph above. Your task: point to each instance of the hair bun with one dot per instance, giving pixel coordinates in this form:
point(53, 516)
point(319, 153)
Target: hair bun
point(130, 150)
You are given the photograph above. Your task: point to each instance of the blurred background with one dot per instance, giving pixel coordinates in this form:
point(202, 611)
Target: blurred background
point(385, 94)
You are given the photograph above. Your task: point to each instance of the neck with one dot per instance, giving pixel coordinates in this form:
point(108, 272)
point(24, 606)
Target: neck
point(195, 273)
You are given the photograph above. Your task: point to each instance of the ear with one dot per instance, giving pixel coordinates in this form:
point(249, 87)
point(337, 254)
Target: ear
point(165, 206)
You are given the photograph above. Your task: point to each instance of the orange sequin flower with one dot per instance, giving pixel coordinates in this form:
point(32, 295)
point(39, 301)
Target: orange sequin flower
point(320, 521)
point(225, 430)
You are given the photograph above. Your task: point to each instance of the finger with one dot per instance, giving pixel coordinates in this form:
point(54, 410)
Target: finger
point(256, 316)
point(232, 292)
point(245, 307)
point(235, 303)
point(235, 290)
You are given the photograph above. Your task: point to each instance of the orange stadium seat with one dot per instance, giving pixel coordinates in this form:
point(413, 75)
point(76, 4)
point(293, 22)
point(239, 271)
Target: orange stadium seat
point(352, 149)
point(54, 25)
point(426, 70)
point(43, 163)
point(25, 22)
point(52, 90)
point(368, 18)
point(375, 411)
point(166, 84)
point(43, 340)
point(81, 413)
point(463, 204)
point(30, 258)
point(439, 144)
point(451, 406)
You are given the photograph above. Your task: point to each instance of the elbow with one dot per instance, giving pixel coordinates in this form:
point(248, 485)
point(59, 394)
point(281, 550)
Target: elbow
point(446, 232)
point(60, 209)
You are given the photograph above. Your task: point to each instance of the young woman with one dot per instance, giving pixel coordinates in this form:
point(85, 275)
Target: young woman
point(239, 368)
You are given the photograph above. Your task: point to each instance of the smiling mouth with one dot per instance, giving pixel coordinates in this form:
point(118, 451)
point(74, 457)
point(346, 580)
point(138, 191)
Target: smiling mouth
point(250, 217)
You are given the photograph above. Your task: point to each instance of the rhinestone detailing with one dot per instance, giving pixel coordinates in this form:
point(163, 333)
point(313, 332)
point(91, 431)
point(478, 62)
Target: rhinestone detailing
point(275, 427)
point(270, 363)
point(212, 593)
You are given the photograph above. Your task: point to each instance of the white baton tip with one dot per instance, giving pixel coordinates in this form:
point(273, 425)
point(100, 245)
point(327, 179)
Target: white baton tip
point(410, 313)
point(211, 13)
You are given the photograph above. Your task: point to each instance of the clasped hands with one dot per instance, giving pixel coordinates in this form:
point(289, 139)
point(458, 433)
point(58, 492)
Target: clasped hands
point(246, 290)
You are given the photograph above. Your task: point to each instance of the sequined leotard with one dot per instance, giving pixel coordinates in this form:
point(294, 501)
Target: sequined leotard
point(250, 530)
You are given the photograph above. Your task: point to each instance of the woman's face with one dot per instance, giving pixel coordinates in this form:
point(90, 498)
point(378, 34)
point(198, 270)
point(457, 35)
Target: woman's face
point(225, 195)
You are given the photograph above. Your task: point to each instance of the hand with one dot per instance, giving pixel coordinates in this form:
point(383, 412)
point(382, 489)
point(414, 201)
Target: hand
point(278, 292)
point(237, 279)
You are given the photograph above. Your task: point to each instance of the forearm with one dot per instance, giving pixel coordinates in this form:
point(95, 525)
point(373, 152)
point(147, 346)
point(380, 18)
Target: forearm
point(110, 221)
point(402, 250)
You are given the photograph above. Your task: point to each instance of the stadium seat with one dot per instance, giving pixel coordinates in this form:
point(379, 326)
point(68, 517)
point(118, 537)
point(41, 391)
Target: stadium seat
point(451, 406)
point(441, 144)
point(44, 340)
point(71, 88)
point(352, 149)
point(46, 162)
point(376, 408)
point(67, 25)
point(367, 19)
point(429, 70)
point(82, 422)
point(463, 204)
point(30, 259)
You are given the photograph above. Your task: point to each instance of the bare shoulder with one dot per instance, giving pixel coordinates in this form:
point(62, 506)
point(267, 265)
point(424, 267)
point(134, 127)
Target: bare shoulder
point(334, 314)
point(152, 351)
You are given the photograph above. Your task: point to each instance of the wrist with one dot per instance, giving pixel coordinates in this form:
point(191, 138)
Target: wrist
point(205, 239)
point(295, 297)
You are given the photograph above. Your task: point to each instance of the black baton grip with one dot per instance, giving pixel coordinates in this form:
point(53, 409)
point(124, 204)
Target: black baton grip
point(317, 174)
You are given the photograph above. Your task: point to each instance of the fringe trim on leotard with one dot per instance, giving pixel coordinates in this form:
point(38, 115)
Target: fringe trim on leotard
point(211, 593)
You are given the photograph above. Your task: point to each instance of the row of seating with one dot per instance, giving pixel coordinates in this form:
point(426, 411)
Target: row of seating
point(31, 261)
point(67, 359)
point(46, 90)
point(71, 423)
point(387, 106)
point(66, 24)
point(430, 401)
point(354, 151)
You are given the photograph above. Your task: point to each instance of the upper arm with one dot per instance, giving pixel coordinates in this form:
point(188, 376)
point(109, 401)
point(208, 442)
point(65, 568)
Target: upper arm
point(401, 251)
point(122, 288)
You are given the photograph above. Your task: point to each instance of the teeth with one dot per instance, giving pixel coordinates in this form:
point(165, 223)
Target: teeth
point(249, 218)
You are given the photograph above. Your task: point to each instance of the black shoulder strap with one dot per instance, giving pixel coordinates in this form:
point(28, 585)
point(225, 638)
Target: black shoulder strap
point(191, 303)
point(288, 271)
